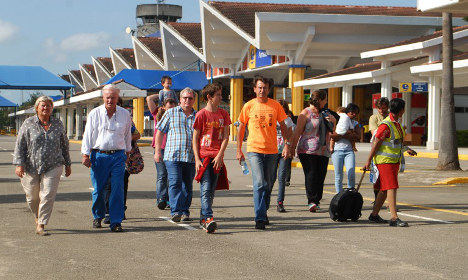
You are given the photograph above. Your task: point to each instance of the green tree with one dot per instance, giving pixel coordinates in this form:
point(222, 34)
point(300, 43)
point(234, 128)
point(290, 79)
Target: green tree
point(6, 121)
point(30, 102)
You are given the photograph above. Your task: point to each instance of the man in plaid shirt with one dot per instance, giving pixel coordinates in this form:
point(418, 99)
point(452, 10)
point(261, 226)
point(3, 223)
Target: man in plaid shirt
point(177, 122)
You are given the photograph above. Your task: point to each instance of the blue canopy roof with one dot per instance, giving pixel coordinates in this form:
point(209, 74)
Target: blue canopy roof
point(30, 77)
point(6, 103)
point(151, 79)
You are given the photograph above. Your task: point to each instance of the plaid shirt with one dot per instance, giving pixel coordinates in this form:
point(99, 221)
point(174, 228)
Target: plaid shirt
point(179, 129)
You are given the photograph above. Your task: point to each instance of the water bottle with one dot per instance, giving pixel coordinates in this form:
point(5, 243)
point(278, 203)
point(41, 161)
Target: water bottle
point(244, 167)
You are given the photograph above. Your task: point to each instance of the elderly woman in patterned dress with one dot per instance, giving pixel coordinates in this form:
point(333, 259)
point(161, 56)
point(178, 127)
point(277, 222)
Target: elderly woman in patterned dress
point(41, 152)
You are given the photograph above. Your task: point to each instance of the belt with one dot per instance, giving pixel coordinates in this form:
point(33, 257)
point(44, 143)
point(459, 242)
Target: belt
point(109, 152)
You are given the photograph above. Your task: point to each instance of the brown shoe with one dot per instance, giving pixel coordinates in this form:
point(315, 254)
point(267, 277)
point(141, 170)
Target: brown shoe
point(42, 232)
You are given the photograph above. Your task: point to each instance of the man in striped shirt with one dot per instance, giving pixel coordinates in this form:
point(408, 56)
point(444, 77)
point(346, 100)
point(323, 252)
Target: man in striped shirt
point(177, 123)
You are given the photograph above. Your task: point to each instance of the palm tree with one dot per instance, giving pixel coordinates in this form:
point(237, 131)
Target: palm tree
point(448, 147)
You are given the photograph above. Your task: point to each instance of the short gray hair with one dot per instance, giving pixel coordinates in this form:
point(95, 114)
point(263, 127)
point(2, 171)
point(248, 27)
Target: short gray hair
point(43, 98)
point(111, 87)
point(188, 90)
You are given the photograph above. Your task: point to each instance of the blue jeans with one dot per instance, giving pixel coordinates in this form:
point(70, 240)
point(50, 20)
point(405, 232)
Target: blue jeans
point(284, 166)
point(180, 176)
point(207, 191)
point(346, 157)
point(263, 174)
point(103, 167)
point(161, 181)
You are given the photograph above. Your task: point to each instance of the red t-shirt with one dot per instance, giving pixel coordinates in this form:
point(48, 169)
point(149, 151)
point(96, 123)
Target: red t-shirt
point(211, 126)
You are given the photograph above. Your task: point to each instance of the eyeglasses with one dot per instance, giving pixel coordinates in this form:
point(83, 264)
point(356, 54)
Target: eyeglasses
point(187, 97)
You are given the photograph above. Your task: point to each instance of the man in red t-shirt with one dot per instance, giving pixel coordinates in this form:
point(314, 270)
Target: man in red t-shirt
point(210, 139)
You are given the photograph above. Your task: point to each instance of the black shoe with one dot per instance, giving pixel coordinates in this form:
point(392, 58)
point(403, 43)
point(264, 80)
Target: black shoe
point(259, 224)
point(162, 205)
point(397, 223)
point(117, 228)
point(97, 223)
point(377, 219)
point(267, 221)
point(287, 184)
point(280, 207)
point(176, 218)
point(106, 220)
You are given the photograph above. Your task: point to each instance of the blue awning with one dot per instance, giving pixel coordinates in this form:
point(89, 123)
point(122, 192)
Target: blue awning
point(6, 103)
point(30, 77)
point(151, 79)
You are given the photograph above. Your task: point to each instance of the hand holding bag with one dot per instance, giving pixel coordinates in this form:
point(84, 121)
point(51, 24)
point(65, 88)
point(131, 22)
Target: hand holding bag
point(134, 163)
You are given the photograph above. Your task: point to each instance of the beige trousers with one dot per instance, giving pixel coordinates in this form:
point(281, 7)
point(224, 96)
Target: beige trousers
point(40, 192)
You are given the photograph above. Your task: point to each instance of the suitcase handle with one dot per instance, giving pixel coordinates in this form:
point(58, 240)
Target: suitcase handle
point(362, 177)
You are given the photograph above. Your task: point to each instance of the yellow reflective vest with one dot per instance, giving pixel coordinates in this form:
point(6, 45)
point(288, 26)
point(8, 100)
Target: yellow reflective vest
point(391, 149)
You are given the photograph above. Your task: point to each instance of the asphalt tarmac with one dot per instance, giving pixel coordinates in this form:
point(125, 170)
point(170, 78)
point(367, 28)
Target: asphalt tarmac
point(296, 245)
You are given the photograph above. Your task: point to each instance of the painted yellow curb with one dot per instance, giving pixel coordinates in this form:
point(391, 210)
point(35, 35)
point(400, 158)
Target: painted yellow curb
point(454, 180)
point(436, 155)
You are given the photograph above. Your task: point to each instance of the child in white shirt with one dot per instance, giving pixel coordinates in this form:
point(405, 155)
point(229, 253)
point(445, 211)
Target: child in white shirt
point(344, 125)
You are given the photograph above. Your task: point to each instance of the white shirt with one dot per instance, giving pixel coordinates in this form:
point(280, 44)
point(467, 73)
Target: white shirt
point(344, 124)
point(104, 133)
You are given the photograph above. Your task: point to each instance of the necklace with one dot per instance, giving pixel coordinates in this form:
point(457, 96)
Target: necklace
point(44, 123)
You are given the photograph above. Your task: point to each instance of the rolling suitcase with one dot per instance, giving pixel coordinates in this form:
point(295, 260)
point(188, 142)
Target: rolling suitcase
point(347, 204)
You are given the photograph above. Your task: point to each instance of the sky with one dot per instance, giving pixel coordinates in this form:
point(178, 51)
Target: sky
point(61, 34)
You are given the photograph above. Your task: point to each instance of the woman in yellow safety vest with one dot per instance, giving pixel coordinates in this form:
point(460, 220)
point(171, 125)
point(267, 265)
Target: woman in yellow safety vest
point(387, 152)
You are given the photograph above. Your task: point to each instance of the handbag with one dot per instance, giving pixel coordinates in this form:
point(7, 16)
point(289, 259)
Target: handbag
point(134, 163)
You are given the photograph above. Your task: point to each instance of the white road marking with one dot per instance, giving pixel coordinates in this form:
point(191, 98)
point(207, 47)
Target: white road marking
point(186, 226)
point(425, 218)
point(149, 153)
point(91, 189)
point(12, 154)
point(249, 186)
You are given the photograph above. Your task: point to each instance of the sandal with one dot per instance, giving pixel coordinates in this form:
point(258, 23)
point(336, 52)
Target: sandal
point(41, 232)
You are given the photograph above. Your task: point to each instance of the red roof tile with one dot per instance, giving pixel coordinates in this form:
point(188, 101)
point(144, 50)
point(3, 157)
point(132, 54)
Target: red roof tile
point(460, 56)
point(243, 14)
point(90, 69)
point(425, 37)
point(77, 74)
point(362, 67)
point(190, 31)
point(154, 44)
point(107, 63)
point(66, 78)
point(129, 56)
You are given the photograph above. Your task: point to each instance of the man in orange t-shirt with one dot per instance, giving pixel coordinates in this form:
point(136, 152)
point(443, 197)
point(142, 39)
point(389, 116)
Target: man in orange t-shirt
point(261, 115)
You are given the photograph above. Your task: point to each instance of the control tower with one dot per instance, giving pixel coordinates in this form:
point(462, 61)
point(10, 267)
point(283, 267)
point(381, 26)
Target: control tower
point(149, 15)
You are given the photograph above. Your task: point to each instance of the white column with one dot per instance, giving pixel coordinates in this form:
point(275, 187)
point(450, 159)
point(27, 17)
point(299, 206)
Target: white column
point(89, 107)
point(406, 121)
point(433, 113)
point(63, 115)
point(346, 95)
point(386, 86)
point(79, 123)
point(18, 124)
point(70, 118)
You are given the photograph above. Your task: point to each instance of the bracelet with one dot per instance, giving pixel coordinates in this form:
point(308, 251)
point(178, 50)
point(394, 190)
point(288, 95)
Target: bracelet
point(287, 143)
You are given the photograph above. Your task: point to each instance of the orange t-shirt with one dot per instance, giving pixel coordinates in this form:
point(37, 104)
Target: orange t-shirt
point(261, 119)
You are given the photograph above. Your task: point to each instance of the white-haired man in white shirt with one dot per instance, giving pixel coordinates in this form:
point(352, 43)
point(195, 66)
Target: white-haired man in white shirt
point(106, 143)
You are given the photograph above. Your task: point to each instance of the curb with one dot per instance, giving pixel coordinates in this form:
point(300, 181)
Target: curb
point(451, 181)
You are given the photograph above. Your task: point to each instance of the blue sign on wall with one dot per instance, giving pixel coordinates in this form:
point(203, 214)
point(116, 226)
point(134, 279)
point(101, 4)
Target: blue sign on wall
point(262, 59)
point(419, 87)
